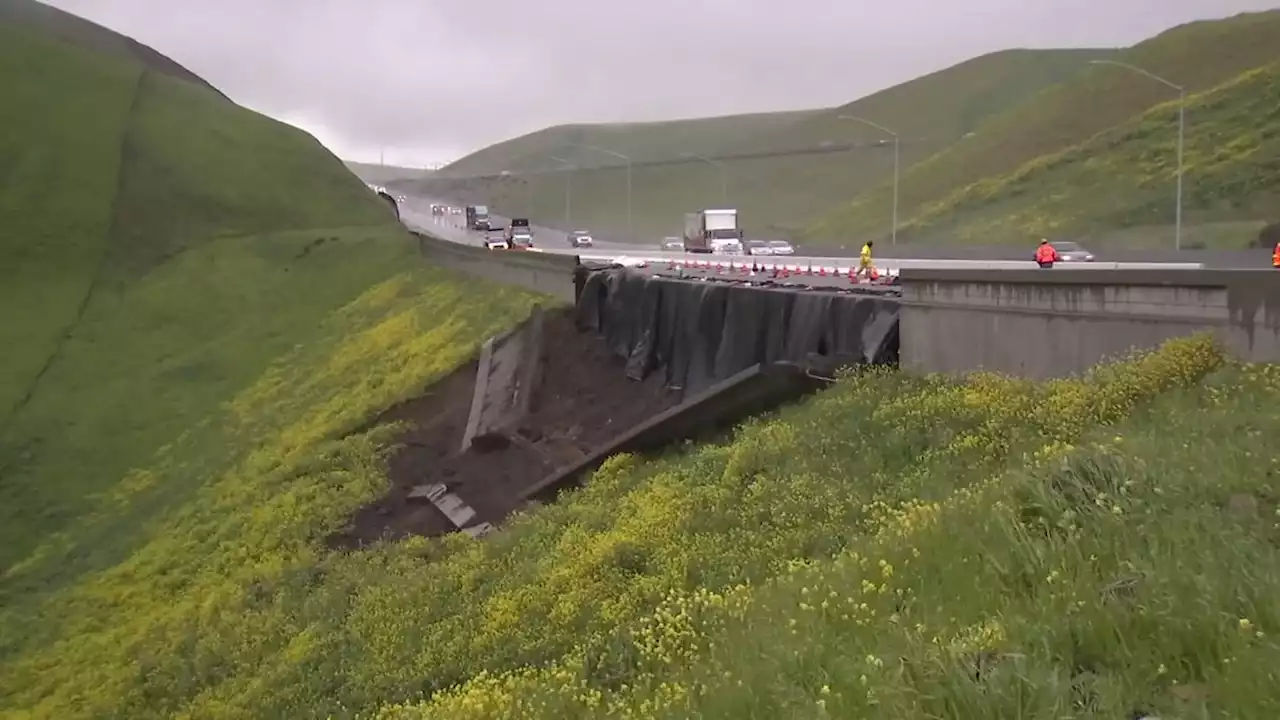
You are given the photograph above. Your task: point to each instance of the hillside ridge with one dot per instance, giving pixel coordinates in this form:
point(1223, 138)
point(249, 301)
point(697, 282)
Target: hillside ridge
point(79, 31)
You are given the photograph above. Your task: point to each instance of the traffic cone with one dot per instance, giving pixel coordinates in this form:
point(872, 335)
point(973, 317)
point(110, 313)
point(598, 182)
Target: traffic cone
point(822, 271)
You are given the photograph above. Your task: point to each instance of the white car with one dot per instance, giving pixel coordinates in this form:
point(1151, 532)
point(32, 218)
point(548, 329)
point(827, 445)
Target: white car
point(781, 247)
point(726, 246)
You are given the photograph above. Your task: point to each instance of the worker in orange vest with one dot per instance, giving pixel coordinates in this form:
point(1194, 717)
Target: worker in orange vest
point(1046, 255)
point(1275, 257)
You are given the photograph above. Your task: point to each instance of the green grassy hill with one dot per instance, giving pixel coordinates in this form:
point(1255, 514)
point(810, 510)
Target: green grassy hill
point(897, 548)
point(383, 174)
point(1125, 178)
point(187, 289)
point(213, 340)
point(642, 142)
point(52, 22)
point(777, 193)
point(1200, 56)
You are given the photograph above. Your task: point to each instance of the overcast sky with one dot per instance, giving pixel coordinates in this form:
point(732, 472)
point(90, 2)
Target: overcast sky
point(430, 80)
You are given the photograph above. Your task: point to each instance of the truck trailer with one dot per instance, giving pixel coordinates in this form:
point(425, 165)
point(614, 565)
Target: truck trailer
point(712, 230)
point(477, 217)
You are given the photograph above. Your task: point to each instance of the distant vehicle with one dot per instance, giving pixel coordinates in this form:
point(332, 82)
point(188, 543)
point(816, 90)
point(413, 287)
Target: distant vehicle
point(781, 247)
point(726, 246)
point(519, 226)
point(712, 231)
point(1069, 251)
point(478, 217)
point(758, 247)
point(437, 209)
point(495, 238)
point(581, 238)
point(672, 244)
point(519, 235)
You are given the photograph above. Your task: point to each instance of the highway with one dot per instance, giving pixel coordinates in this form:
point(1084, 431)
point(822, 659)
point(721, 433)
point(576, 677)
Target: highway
point(809, 270)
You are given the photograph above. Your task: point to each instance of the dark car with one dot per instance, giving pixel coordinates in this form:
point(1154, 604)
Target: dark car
point(1069, 251)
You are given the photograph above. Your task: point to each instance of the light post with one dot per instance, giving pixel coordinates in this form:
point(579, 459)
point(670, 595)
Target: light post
point(624, 157)
point(893, 238)
point(1182, 128)
point(724, 176)
point(568, 190)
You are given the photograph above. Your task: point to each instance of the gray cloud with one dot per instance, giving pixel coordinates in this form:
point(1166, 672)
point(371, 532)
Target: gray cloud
point(429, 82)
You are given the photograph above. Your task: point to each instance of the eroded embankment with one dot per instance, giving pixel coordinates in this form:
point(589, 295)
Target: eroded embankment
point(581, 401)
point(639, 362)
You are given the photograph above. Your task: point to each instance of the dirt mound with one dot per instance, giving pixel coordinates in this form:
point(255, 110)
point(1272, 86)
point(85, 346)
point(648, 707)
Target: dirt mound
point(581, 401)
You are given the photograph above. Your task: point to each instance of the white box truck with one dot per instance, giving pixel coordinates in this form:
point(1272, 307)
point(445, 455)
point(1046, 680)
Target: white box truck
point(715, 231)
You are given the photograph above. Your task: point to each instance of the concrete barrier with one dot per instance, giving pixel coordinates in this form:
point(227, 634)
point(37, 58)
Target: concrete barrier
point(507, 373)
point(1045, 323)
point(550, 274)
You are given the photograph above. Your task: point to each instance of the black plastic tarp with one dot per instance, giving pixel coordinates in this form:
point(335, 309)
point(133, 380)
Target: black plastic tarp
point(699, 333)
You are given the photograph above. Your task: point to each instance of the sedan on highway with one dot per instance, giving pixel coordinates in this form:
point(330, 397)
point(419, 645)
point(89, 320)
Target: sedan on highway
point(758, 247)
point(496, 239)
point(1071, 252)
point(781, 247)
point(581, 238)
point(673, 244)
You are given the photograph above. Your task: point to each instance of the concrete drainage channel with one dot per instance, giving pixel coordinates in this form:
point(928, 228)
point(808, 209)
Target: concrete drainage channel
point(637, 364)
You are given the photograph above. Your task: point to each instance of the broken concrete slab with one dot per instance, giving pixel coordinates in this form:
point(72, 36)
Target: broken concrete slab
point(506, 382)
point(449, 504)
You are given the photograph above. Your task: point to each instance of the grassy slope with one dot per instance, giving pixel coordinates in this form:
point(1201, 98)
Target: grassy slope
point(641, 141)
point(758, 561)
point(197, 167)
point(51, 22)
point(191, 167)
point(381, 175)
point(901, 549)
point(1125, 177)
point(57, 187)
point(778, 195)
point(250, 300)
point(1198, 55)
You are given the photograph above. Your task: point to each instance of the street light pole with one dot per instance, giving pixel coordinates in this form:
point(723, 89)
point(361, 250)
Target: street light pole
point(628, 160)
point(897, 156)
point(568, 190)
point(1182, 129)
point(724, 176)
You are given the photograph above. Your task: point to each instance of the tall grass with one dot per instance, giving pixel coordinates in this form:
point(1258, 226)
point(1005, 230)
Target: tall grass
point(231, 609)
point(1100, 566)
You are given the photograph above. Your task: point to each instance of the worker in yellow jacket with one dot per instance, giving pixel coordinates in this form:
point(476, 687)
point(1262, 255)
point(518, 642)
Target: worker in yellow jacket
point(864, 260)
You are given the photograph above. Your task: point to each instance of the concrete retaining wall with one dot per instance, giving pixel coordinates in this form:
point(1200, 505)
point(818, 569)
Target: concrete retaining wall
point(1042, 324)
point(507, 374)
point(541, 272)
